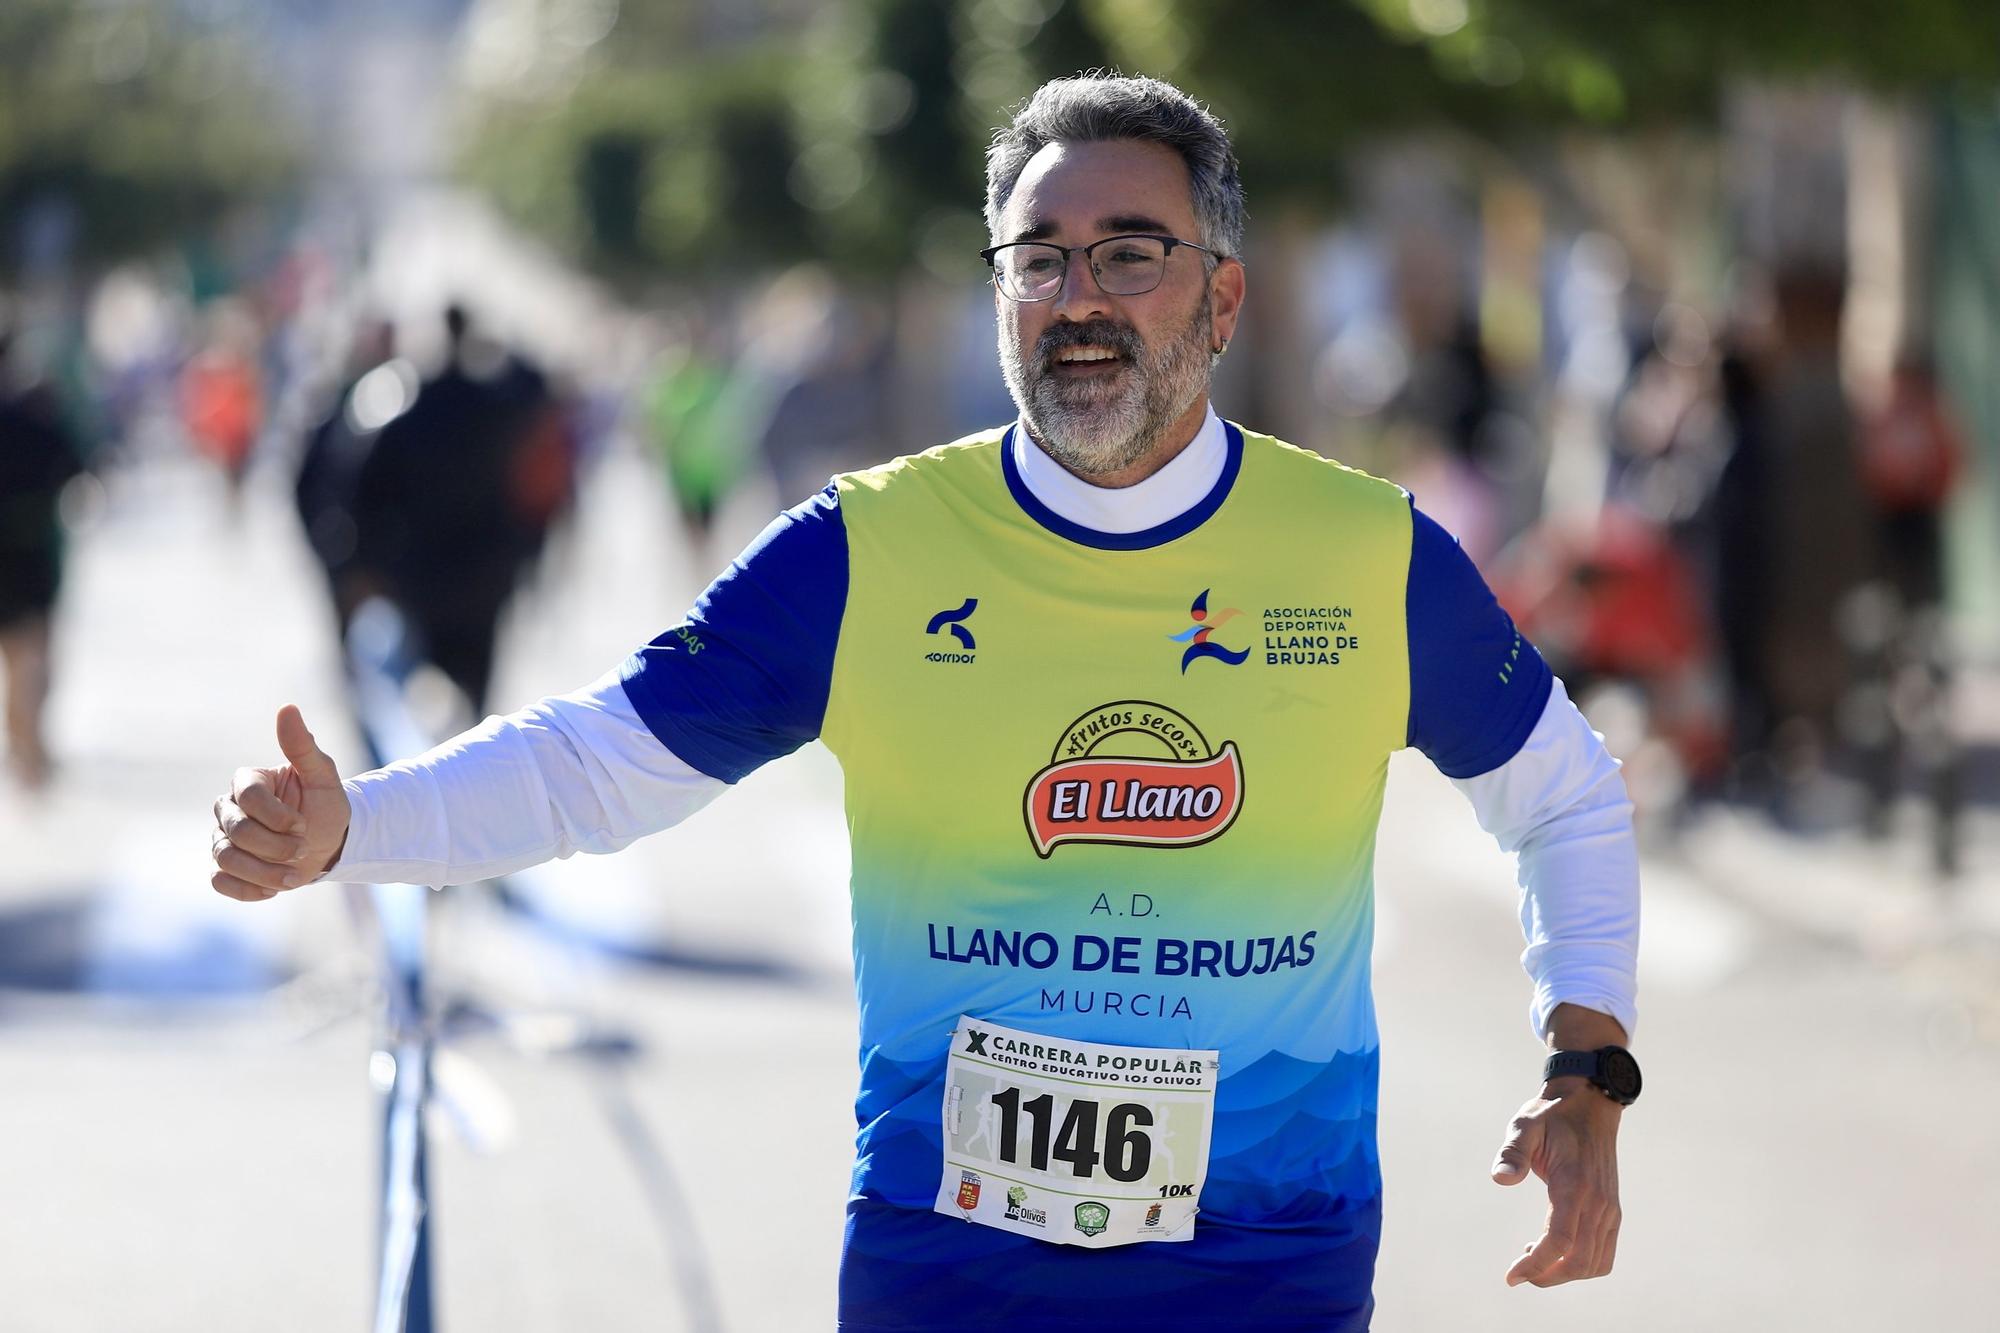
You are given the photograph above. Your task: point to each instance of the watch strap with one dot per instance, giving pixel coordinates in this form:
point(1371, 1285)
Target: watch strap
point(1565, 1064)
point(1620, 1081)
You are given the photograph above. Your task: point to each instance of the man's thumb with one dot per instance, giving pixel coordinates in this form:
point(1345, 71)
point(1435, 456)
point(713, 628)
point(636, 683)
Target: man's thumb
point(314, 767)
point(1511, 1166)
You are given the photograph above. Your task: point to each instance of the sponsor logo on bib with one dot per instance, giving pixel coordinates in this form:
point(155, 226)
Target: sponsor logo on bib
point(1018, 1210)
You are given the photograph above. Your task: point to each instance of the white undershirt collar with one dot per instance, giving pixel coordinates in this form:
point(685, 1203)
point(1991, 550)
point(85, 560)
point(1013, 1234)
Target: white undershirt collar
point(1176, 488)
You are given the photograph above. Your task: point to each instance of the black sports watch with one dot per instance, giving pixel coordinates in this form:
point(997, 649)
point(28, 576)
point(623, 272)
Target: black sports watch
point(1610, 1069)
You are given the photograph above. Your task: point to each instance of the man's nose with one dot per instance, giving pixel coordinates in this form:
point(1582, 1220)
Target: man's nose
point(1080, 298)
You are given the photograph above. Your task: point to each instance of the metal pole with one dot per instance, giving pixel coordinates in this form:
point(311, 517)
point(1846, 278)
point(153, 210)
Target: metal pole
point(401, 1063)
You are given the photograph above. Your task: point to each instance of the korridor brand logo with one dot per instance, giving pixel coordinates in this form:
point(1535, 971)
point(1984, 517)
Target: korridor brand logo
point(1083, 795)
point(953, 619)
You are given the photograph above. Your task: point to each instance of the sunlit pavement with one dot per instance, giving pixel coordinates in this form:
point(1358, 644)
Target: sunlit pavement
point(192, 1148)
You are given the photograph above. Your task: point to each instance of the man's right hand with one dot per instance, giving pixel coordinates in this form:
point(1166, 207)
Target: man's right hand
point(280, 827)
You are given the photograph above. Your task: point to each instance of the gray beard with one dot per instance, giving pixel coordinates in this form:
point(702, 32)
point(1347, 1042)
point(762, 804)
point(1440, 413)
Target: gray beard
point(1095, 429)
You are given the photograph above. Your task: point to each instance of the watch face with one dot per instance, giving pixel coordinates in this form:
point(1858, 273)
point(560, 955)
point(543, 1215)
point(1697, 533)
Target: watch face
point(1620, 1073)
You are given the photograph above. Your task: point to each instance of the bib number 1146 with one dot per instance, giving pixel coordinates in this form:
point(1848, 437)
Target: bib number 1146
point(1127, 1151)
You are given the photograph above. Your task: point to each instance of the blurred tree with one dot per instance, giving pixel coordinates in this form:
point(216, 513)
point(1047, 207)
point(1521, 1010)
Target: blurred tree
point(123, 127)
point(854, 131)
point(664, 140)
point(1606, 62)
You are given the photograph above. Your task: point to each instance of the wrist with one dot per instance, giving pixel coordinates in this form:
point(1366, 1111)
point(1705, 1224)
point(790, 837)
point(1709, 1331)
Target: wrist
point(334, 859)
point(1575, 1028)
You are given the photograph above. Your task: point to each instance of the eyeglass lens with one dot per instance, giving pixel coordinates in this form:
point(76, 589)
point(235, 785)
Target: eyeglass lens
point(1123, 266)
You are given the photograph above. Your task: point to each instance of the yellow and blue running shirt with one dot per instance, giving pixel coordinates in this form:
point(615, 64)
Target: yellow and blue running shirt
point(1115, 788)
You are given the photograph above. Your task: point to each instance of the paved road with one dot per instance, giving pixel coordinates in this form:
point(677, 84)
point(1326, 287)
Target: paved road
point(1817, 1149)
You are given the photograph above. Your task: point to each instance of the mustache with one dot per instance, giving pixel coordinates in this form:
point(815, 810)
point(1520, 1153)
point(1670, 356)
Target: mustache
point(1120, 338)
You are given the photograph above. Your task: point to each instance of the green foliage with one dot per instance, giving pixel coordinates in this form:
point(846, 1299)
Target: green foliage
point(656, 152)
point(145, 129)
point(858, 136)
point(1609, 62)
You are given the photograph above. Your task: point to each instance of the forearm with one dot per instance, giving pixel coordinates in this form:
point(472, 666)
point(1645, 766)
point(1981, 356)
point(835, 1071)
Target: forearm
point(1560, 803)
point(1579, 907)
point(573, 773)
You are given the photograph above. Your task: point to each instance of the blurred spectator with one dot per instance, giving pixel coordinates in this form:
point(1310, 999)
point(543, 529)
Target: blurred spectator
point(1910, 457)
point(222, 396)
point(1911, 452)
point(1615, 603)
point(1742, 574)
point(372, 391)
point(1446, 414)
point(37, 459)
point(1820, 527)
point(455, 499)
point(828, 409)
point(702, 421)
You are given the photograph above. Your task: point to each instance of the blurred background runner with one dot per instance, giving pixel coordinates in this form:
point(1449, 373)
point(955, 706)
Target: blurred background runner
point(38, 458)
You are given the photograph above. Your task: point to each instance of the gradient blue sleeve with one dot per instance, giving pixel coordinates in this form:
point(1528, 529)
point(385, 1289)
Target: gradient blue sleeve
point(744, 678)
point(1477, 687)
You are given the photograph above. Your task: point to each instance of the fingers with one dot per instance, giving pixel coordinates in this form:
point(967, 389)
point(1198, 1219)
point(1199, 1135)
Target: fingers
point(1558, 1238)
point(1579, 1257)
point(234, 861)
point(254, 837)
point(315, 768)
point(243, 891)
point(255, 793)
point(1586, 1255)
point(253, 860)
point(1517, 1153)
point(1580, 1240)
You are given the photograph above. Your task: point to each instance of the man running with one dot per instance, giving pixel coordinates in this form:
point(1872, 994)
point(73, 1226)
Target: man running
point(1114, 689)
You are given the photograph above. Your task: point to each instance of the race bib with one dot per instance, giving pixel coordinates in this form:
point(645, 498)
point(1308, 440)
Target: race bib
point(1072, 1141)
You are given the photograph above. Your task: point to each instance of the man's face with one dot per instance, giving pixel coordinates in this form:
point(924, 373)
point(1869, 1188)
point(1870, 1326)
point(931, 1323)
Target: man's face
point(1101, 379)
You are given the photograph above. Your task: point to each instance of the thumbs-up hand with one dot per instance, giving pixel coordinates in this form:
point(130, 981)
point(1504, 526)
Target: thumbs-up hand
point(280, 827)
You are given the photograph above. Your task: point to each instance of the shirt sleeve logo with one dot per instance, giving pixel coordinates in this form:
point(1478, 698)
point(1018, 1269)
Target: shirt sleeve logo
point(1083, 796)
point(1205, 625)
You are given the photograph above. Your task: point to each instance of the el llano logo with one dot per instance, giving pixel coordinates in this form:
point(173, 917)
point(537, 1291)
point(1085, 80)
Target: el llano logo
point(1185, 799)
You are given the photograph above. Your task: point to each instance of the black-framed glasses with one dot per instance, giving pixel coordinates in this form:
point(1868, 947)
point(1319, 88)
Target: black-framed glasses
point(1122, 265)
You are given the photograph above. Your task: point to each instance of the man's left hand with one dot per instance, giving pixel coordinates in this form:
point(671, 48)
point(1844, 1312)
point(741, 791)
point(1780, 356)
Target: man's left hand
point(1569, 1137)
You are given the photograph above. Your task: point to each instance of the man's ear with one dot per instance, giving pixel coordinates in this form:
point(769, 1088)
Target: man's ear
point(1225, 297)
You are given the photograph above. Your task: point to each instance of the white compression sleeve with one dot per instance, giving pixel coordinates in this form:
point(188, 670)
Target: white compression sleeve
point(1561, 804)
point(575, 772)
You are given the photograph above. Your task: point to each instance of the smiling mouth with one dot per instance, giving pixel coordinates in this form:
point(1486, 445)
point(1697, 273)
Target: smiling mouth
point(1084, 359)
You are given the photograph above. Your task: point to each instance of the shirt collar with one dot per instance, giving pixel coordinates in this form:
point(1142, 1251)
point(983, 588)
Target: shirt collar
point(1188, 478)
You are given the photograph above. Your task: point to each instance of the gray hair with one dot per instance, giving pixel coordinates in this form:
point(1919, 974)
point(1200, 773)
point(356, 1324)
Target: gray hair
point(1095, 107)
